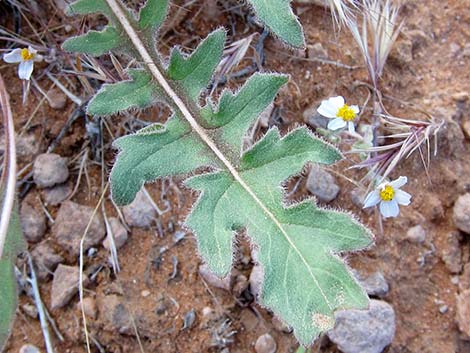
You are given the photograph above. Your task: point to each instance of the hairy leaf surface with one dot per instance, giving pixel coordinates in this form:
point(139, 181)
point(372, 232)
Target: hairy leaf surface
point(305, 281)
point(8, 291)
point(279, 18)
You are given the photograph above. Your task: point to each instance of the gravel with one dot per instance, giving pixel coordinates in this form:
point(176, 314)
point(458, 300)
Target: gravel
point(416, 234)
point(64, 285)
point(364, 331)
point(265, 344)
point(71, 222)
point(50, 169)
point(33, 223)
point(375, 284)
point(322, 184)
point(139, 213)
point(463, 312)
point(451, 253)
point(461, 213)
point(46, 259)
point(119, 234)
point(57, 194)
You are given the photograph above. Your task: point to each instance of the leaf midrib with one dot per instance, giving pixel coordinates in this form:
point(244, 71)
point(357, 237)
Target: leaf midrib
point(153, 68)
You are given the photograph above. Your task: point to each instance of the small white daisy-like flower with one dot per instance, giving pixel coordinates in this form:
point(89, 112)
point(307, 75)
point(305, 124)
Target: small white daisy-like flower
point(342, 114)
point(26, 58)
point(389, 196)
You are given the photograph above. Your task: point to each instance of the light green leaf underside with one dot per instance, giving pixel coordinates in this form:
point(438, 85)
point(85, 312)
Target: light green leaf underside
point(85, 7)
point(235, 113)
point(8, 300)
point(304, 281)
point(114, 98)
point(94, 43)
point(194, 72)
point(153, 14)
point(8, 292)
point(278, 16)
point(154, 153)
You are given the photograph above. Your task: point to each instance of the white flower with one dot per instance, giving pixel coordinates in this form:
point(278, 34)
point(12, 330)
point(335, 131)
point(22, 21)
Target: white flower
point(389, 196)
point(26, 58)
point(341, 113)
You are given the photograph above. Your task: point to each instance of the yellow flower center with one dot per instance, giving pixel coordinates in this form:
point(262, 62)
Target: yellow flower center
point(387, 193)
point(346, 113)
point(26, 54)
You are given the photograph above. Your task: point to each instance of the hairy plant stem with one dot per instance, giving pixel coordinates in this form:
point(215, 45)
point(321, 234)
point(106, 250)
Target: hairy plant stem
point(181, 106)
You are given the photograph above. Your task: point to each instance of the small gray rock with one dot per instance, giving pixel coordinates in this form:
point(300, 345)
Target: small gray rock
point(55, 195)
point(314, 119)
point(50, 169)
point(71, 222)
point(119, 234)
point(463, 312)
point(30, 310)
point(374, 284)
point(214, 280)
point(265, 344)
point(452, 253)
point(322, 184)
point(364, 331)
point(416, 234)
point(317, 51)
point(139, 213)
point(256, 280)
point(89, 307)
point(33, 223)
point(46, 259)
point(64, 285)
point(402, 52)
point(357, 198)
point(115, 314)
point(56, 98)
point(29, 348)
point(461, 213)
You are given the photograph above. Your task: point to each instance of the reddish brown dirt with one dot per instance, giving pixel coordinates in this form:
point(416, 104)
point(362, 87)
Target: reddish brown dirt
point(438, 72)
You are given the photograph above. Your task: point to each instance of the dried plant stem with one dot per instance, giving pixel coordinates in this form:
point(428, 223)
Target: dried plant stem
point(80, 283)
point(9, 170)
point(42, 314)
point(161, 80)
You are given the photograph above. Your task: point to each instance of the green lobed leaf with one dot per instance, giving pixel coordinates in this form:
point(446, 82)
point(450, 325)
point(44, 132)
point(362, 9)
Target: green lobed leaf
point(237, 112)
point(278, 16)
point(85, 7)
point(305, 281)
point(153, 14)
point(194, 72)
point(94, 43)
point(114, 98)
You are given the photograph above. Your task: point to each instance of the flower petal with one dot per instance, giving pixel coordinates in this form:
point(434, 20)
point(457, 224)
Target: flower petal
point(32, 50)
point(389, 208)
point(355, 109)
point(13, 57)
point(330, 107)
point(398, 183)
point(402, 197)
point(25, 69)
point(351, 127)
point(336, 124)
point(372, 199)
